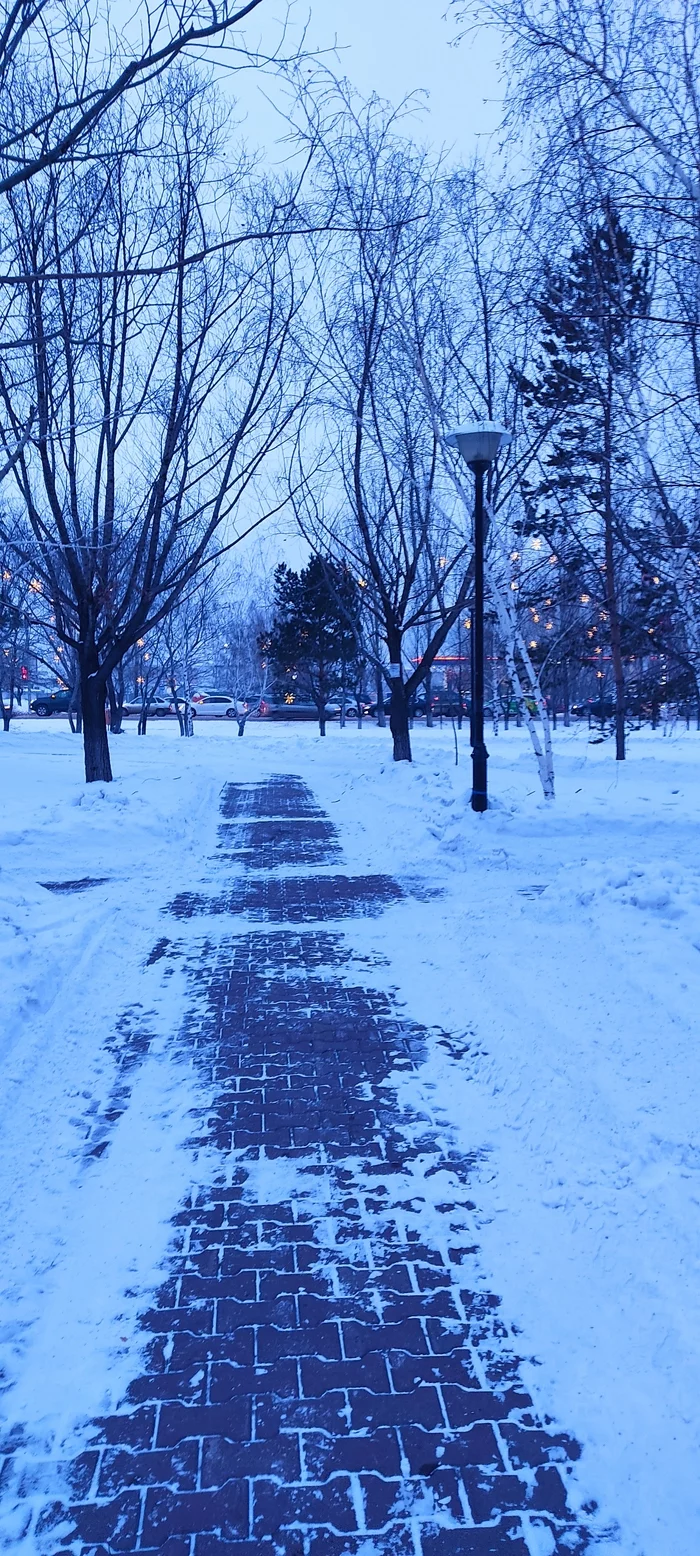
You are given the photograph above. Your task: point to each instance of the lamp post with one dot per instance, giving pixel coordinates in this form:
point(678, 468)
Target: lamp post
point(478, 443)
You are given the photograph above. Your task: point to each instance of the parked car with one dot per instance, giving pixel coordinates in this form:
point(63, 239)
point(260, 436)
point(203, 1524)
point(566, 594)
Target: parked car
point(216, 705)
point(594, 708)
point(158, 709)
point(46, 703)
point(297, 710)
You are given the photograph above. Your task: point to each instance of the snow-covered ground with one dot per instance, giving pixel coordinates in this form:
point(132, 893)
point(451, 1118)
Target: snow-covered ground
point(564, 950)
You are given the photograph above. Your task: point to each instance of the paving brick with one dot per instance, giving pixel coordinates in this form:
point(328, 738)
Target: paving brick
point(475, 1446)
point(178, 1422)
point(228, 1382)
point(324, 1341)
point(466, 1405)
point(359, 1339)
point(422, 1407)
point(177, 1468)
point(113, 1523)
point(369, 1372)
point(134, 1430)
point(223, 1511)
point(278, 1507)
point(507, 1540)
point(277, 1458)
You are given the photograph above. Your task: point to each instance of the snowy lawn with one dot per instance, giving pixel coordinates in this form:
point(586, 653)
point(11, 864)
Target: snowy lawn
point(564, 951)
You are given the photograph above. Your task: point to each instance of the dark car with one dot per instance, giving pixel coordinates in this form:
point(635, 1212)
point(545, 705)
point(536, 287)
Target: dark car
point(595, 708)
point(296, 710)
point(47, 703)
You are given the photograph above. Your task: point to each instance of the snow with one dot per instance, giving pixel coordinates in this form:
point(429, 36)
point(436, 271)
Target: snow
point(562, 957)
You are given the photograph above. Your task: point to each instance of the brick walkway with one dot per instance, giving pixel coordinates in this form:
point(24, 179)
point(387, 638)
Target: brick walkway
point(323, 1378)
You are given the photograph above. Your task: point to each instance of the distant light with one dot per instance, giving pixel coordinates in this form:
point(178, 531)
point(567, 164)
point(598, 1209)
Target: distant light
point(536, 543)
point(515, 556)
point(585, 599)
point(533, 642)
point(657, 580)
point(514, 585)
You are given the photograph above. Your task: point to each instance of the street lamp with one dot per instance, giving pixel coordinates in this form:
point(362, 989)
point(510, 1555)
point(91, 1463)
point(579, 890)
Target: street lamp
point(478, 443)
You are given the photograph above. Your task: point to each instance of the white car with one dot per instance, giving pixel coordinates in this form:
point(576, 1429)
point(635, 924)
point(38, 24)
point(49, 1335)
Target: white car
point(216, 705)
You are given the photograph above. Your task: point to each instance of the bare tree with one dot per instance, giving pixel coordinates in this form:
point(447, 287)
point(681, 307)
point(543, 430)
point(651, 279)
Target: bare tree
point(162, 385)
point(371, 498)
point(64, 66)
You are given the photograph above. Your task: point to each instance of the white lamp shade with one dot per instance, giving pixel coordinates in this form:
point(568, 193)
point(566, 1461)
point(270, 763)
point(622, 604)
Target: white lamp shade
point(479, 441)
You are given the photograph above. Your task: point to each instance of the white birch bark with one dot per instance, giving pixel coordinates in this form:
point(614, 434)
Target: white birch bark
point(512, 639)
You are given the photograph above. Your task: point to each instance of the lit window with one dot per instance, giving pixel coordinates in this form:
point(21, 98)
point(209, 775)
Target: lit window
point(515, 556)
point(535, 616)
point(657, 580)
point(514, 585)
point(549, 625)
point(533, 642)
point(585, 599)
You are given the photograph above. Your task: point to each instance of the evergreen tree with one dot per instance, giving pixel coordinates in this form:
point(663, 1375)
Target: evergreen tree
point(313, 642)
point(584, 375)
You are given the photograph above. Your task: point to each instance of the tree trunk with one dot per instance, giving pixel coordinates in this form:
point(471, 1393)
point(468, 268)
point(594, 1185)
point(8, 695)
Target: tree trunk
point(398, 721)
point(115, 708)
point(610, 587)
point(98, 768)
point(6, 718)
point(381, 715)
point(567, 709)
point(429, 701)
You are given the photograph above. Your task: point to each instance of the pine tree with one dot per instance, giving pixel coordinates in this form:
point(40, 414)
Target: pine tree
point(585, 371)
point(314, 636)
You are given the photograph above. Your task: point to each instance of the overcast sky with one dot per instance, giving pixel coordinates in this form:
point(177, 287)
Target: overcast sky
point(395, 47)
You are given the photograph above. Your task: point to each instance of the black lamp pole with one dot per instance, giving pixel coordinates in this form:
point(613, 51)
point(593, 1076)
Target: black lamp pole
point(478, 443)
point(480, 800)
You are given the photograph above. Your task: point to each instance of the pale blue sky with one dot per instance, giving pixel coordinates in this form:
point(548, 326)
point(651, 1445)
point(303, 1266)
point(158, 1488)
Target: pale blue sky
point(394, 47)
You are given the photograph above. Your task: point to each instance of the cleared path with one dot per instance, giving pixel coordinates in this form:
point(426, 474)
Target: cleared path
point(326, 1376)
